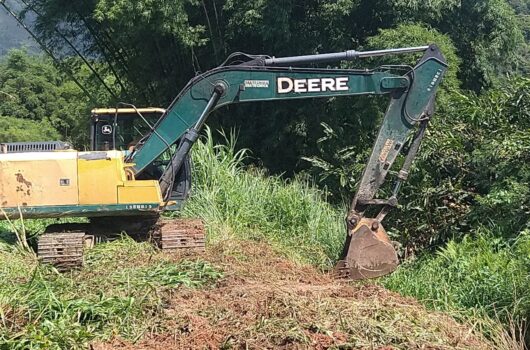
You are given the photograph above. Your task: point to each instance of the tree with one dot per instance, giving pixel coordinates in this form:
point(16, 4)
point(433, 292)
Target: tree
point(14, 129)
point(38, 92)
point(147, 50)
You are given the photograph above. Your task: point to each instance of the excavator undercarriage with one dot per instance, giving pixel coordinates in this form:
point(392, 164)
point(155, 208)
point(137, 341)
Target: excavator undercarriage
point(63, 245)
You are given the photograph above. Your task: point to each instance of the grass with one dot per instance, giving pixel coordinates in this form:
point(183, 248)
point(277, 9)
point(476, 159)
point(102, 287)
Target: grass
point(118, 293)
point(247, 203)
point(122, 292)
point(483, 275)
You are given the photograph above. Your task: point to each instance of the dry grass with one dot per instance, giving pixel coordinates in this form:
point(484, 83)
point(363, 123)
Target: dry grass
point(265, 301)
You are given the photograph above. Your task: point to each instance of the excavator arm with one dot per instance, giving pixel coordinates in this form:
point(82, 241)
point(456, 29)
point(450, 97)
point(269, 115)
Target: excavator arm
point(412, 90)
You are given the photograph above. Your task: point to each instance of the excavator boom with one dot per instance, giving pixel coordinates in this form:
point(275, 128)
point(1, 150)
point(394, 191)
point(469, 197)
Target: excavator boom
point(412, 90)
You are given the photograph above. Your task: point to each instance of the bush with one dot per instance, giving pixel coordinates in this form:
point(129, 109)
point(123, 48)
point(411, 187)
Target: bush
point(118, 293)
point(24, 130)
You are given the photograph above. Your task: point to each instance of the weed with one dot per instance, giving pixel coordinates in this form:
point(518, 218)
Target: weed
point(485, 275)
point(40, 308)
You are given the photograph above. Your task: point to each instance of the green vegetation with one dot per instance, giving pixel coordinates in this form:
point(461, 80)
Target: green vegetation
point(487, 274)
point(118, 293)
point(34, 91)
point(484, 274)
point(250, 204)
point(121, 291)
point(465, 212)
point(14, 129)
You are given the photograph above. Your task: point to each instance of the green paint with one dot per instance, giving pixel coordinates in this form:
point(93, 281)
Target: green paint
point(247, 84)
point(186, 110)
point(59, 211)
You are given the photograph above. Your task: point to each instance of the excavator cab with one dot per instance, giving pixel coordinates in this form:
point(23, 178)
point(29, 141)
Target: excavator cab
point(122, 128)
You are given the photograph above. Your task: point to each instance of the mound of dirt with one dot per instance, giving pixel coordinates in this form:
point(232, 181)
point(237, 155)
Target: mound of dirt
point(265, 301)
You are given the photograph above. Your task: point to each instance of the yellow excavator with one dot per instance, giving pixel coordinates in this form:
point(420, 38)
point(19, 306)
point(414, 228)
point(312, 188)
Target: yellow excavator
point(139, 164)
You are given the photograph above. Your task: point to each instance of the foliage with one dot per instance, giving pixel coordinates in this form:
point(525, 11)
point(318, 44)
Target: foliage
point(13, 36)
point(146, 51)
point(23, 130)
point(472, 170)
point(487, 275)
point(409, 35)
point(338, 160)
point(36, 93)
point(484, 273)
point(520, 6)
point(486, 34)
point(245, 203)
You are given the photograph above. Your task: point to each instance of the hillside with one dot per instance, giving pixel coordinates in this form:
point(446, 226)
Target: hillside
point(12, 35)
point(239, 294)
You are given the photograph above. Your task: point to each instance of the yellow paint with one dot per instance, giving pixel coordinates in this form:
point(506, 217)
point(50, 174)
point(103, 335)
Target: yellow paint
point(99, 178)
point(71, 178)
point(29, 179)
point(139, 191)
point(104, 181)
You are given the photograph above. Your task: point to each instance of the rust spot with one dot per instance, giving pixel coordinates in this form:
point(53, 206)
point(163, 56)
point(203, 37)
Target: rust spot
point(4, 203)
point(386, 150)
point(22, 180)
point(28, 192)
point(24, 204)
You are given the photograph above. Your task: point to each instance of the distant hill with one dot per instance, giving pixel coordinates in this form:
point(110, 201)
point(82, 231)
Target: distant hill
point(12, 35)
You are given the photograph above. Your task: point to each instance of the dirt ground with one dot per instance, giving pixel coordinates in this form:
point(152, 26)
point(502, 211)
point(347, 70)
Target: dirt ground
point(266, 302)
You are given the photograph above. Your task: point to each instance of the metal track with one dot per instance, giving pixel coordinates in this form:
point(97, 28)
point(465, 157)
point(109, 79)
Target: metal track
point(63, 245)
point(179, 234)
point(62, 250)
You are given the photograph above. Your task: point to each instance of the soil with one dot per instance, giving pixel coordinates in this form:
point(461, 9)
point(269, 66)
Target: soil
point(267, 302)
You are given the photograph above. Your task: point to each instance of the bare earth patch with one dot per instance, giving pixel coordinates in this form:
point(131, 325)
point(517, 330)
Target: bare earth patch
point(266, 301)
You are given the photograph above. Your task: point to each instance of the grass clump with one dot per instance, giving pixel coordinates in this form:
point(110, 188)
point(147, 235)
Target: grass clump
point(111, 296)
point(247, 203)
point(485, 275)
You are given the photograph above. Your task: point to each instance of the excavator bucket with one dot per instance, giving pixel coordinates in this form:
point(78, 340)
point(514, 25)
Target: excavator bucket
point(368, 252)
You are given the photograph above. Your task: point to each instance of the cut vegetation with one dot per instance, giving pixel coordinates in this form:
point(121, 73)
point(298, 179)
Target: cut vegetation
point(239, 294)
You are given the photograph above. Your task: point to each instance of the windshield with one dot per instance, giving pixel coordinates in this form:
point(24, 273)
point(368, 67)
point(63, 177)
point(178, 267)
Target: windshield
point(130, 128)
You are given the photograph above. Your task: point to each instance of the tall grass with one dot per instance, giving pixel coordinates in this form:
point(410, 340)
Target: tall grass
point(247, 203)
point(484, 276)
point(120, 291)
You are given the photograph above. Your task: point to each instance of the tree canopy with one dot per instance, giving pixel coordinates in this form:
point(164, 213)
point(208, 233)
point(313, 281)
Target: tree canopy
point(36, 93)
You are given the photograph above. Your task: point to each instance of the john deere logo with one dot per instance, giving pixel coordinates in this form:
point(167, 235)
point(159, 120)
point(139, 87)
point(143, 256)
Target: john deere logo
point(106, 129)
point(286, 85)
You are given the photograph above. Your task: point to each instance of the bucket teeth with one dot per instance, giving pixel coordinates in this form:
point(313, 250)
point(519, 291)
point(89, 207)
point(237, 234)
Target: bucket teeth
point(368, 253)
